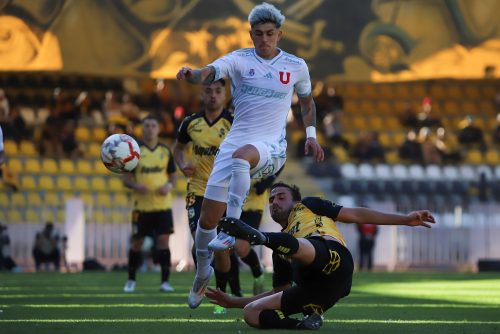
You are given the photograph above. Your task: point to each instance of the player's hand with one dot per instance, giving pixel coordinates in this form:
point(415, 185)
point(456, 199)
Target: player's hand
point(188, 170)
point(317, 151)
point(141, 188)
point(216, 296)
point(421, 218)
point(184, 73)
point(163, 190)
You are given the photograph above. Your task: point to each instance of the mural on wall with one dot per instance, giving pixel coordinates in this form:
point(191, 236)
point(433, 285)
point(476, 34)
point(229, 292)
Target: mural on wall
point(341, 40)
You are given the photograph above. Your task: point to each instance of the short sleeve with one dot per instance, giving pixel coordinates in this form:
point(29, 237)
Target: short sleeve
point(171, 164)
point(225, 67)
point(182, 133)
point(303, 85)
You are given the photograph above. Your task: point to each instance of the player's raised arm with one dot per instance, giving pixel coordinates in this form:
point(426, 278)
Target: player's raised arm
point(308, 111)
point(369, 216)
point(204, 75)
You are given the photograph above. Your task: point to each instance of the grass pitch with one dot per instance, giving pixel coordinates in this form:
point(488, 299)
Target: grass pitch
point(379, 303)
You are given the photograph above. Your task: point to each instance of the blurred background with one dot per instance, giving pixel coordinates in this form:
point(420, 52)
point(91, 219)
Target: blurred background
point(408, 103)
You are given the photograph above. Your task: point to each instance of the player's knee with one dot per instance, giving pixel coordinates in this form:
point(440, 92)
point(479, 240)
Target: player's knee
point(251, 315)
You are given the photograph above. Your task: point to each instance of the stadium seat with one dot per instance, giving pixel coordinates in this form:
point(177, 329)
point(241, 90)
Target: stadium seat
point(492, 157)
point(49, 166)
point(28, 182)
point(18, 200)
point(52, 199)
point(46, 182)
point(32, 215)
point(450, 172)
point(4, 200)
point(94, 150)
point(63, 183)
point(81, 183)
point(104, 200)
point(15, 165)
point(497, 172)
point(28, 115)
point(349, 171)
point(99, 168)
point(66, 166)
point(341, 186)
point(82, 134)
point(365, 171)
point(26, 148)
point(115, 184)
point(10, 148)
point(382, 171)
point(98, 135)
point(471, 91)
point(34, 199)
point(474, 157)
point(487, 170)
point(467, 173)
point(416, 172)
point(98, 183)
point(433, 172)
point(84, 167)
point(32, 166)
point(49, 214)
point(14, 215)
point(121, 200)
point(340, 154)
point(399, 171)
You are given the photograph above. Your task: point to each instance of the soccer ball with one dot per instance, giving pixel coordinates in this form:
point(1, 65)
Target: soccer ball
point(120, 153)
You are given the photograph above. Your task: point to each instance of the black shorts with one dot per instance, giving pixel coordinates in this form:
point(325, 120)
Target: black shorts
point(193, 207)
point(252, 218)
point(322, 283)
point(152, 223)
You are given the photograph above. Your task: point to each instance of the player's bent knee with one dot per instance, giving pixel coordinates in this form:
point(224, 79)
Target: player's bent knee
point(251, 314)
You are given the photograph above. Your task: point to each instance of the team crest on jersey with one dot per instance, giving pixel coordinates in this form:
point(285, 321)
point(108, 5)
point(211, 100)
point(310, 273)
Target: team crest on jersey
point(284, 77)
point(222, 133)
point(251, 72)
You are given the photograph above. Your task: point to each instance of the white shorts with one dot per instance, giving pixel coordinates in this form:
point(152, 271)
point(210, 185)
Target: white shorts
point(272, 158)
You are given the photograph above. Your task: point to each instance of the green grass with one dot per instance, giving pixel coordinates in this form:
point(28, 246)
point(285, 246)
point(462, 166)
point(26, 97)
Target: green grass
point(379, 303)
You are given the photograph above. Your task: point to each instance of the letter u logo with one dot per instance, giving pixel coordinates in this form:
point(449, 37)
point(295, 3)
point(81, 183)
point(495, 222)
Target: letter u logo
point(283, 79)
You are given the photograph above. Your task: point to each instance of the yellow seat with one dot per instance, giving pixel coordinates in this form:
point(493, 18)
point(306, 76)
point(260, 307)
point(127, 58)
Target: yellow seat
point(15, 165)
point(82, 134)
point(474, 157)
point(84, 167)
point(492, 157)
point(32, 166)
point(14, 216)
point(10, 148)
point(49, 166)
point(455, 92)
point(115, 184)
point(66, 166)
point(32, 216)
point(87, 198)
point(18, 200)
point(138, 131)
point(34, 199)
point(61, 216)
point(377, 123)
point(121, 200)
point(81, 183)
point(98, 216)
point(98, 184)
point(27, 148)
point(28, 182)
point(104, 200)
point(471, 92)
point(4, 200)
point(46, 182)
point(100, 169)
point(340, 154)
point(64, 183)
point(94, 150)
point(98, 135)
point(51, 198)
point(48, 215)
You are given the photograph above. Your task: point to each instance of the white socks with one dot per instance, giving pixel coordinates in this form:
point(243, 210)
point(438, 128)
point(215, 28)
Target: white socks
point(203, 255)
point(238, 187)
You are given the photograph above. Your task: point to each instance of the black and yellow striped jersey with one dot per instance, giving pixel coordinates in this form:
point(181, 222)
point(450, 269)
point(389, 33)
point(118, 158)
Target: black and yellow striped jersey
point(206, 138)
point(153, 171)
point(314, 216)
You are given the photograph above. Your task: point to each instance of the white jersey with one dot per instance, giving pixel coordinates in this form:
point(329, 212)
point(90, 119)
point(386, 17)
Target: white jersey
point(1, 139)
point(262, 92)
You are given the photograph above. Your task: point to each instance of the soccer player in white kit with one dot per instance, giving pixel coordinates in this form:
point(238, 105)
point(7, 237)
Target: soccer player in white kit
point(263, 80)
